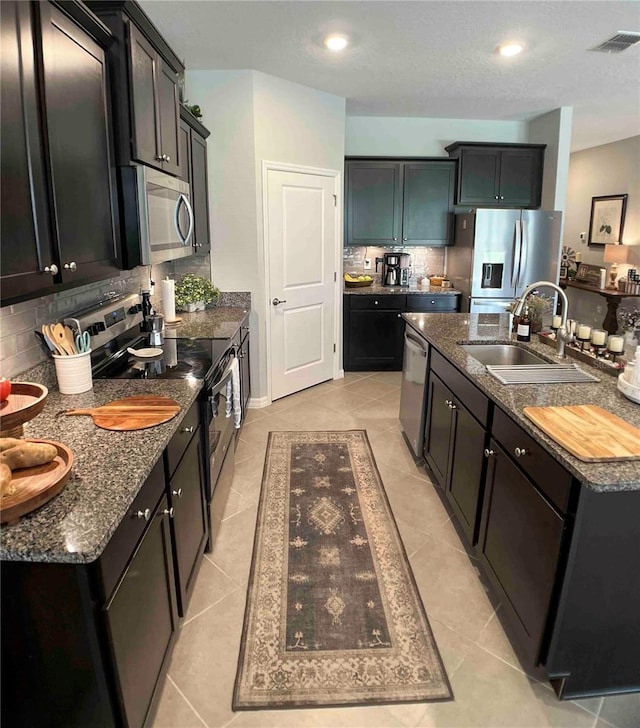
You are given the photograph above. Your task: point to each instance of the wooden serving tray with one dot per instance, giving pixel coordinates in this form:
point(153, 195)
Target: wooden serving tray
point(25, 402)
point(132, 413)
point(38, 485)
point(589, 432)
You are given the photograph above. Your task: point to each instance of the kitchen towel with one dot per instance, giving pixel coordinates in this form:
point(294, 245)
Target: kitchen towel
point(169, 299)
point(235, 386)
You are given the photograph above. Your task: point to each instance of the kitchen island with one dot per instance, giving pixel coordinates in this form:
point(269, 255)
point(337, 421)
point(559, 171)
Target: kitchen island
point(557, 539)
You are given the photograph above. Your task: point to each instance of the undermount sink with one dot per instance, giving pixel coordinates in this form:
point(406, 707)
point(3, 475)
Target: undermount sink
point(502, 354)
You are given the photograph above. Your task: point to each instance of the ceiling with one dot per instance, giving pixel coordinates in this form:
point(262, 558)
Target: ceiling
point(429, 58)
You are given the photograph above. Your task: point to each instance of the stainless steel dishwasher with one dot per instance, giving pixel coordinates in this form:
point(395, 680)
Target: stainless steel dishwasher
point(412, 398)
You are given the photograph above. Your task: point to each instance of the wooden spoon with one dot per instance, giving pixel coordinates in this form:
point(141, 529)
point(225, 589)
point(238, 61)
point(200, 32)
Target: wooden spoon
point(47, 333)
point(61, 340)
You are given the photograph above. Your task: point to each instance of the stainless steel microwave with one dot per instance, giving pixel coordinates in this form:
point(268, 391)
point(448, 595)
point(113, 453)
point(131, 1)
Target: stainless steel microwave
point(165, 216)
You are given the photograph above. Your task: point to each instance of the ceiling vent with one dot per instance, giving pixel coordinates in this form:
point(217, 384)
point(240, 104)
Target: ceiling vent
point(622, 40)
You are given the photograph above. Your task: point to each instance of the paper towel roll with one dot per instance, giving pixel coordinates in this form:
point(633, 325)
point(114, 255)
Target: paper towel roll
point(169, 299)
point(170, 347)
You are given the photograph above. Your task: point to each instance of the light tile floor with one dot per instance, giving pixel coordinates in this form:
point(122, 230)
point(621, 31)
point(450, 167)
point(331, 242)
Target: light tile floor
point(491, 688)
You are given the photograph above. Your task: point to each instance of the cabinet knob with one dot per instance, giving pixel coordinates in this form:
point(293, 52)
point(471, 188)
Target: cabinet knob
point(405, 238)
point(497, 198)
point(502, 197)
point(376, 303)
point(70, 266)
point(453, 406)
point(241, 356)
point(168, 159)
point(432, 302)
point(146, 514)
point(399, 315)
point(188, 429)
point(177, 493)
point(395, 238)
point(520, 452)
point(488, 453)
point(245, 328)
point(53, 269)
point(448, 402)
point(160, 158)
point(168, 512)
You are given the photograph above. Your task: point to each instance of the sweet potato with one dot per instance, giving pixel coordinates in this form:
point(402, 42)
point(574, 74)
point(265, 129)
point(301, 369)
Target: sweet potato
point(7, 442)
point(5, 481)
point(28, 455)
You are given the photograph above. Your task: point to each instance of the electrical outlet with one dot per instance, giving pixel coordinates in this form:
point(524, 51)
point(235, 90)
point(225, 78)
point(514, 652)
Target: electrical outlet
point(367, 264)
point(583, 236)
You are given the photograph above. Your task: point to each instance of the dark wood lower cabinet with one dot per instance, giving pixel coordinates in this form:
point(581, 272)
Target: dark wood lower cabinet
point(188, 519)
point(141, 619)
point(437, 443)
point(519, 548)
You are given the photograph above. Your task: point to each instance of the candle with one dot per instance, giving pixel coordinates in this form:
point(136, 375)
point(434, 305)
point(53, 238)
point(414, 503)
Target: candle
point(616, 344)
point(584, 332)
point(598, 338)
point(557, 320)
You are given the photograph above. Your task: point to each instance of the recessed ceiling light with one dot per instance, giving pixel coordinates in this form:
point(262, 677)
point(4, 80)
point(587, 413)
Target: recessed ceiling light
point(336, 42)
point(511, 48)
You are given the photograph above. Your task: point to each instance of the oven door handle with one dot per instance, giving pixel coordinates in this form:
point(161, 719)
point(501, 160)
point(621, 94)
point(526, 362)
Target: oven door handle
point(218, 386)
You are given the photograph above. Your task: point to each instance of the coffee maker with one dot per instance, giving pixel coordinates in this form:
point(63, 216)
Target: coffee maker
point(396, 269)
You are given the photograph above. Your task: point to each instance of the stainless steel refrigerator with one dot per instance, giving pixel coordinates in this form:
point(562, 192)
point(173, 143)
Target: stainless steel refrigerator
point(498, 253)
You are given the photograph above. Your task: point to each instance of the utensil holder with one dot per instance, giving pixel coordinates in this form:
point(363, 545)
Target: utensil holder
point(73, 372)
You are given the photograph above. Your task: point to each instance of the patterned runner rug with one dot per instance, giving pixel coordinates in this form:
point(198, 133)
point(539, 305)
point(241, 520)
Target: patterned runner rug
point(333, 615)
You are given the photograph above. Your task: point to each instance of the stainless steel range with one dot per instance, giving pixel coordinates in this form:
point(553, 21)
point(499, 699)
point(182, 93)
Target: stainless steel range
point(115, 328)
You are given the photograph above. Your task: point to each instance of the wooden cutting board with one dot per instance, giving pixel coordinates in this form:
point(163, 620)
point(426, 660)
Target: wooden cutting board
point(33, 487)
point(588, 432)
point(132, 413)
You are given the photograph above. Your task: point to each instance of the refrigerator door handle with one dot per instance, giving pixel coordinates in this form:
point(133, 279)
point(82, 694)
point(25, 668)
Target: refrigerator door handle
point(524, 252)
point(517, 246)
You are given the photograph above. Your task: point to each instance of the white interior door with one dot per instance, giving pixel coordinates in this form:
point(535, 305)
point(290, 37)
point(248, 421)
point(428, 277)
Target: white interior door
point(301, 249)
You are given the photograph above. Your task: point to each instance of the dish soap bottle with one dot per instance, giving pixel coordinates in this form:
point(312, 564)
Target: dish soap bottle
point(524, 327)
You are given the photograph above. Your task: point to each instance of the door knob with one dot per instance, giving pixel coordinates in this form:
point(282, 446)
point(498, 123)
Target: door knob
point(277, 301)
point(70, 266)
point(53, 269)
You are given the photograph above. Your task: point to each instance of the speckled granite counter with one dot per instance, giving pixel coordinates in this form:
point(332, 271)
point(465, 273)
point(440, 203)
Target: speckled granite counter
point(219, 322)
point(108, 471)
point(378, 289)
point(447, 331)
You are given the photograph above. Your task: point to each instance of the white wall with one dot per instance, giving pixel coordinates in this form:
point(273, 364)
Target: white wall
point(609, 169)
point(254, 117)
point(421, 137)
point(554, 130)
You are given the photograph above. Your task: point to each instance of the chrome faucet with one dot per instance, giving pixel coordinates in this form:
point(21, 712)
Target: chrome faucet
point(562, 336)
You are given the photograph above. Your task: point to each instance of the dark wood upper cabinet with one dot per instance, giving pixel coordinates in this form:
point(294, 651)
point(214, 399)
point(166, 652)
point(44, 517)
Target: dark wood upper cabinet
point(145, 73)
point(427, 214)
point(396, 202)
point(373, 203)
point(499, 175)
point(59, 203)
point(193, 143)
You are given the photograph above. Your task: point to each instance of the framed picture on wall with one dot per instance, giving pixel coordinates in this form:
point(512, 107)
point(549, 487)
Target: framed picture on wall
point(607, 219)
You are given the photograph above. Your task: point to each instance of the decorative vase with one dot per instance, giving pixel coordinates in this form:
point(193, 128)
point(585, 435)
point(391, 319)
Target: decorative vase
point(200, 305)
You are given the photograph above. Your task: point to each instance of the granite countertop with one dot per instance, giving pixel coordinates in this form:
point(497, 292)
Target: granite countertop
point(447, 331)
point(219, 322)
point(109, 469)
point(378, 289)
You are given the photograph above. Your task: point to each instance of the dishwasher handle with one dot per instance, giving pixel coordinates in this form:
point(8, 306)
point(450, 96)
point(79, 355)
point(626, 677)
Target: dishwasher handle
point(415, 346)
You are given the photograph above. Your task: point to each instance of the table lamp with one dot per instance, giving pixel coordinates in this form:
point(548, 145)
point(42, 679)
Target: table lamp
point(615, 254)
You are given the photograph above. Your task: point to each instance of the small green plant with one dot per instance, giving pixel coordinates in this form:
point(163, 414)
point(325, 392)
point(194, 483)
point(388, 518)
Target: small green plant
point(194, 109)
point(192, 288)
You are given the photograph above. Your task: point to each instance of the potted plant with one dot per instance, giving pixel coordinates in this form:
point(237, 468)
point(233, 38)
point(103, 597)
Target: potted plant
point(194, 292)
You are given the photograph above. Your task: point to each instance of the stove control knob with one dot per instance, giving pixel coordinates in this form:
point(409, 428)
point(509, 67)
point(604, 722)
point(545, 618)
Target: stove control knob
point(96, 328)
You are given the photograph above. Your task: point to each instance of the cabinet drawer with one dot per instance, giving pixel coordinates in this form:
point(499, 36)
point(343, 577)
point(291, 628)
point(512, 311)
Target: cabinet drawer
point(178, 444)
point(463, 390)
point(385, 302)
point(550, 477)
point(432, 302)
point(123, 542)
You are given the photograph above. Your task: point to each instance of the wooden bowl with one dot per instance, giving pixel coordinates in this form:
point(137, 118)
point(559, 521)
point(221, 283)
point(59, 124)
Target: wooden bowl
point(25, 402)
point(37, 485)
point(357, 284)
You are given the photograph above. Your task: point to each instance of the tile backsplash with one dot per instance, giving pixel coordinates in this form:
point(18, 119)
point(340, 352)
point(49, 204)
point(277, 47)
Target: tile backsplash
point(424, 261)
point(20, 349)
